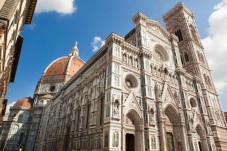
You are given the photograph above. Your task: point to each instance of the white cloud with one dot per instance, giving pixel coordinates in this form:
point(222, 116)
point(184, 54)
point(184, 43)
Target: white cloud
point(31, 26)
point(63, 7)
point(97, 43)
point(9, 105)
point(215, 45)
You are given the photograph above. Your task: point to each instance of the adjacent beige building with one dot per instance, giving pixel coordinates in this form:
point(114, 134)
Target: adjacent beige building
point(13, 15)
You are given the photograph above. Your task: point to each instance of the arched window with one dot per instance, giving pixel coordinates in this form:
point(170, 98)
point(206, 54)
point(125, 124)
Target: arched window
point(205, 78)
point(200, 56)
point(193, 33)
point(21, 138)
point(182, 60)
point(186, 57)
point(208, 81)
point(20, 119)
point(179, 35)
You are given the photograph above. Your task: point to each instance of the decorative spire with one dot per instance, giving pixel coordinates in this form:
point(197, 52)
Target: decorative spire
point(75, 50)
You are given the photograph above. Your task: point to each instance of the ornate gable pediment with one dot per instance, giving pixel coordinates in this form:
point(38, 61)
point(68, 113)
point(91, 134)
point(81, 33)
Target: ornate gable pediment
point(155, 28)
point(152, 26)
point(131, 103)
point(168, 96)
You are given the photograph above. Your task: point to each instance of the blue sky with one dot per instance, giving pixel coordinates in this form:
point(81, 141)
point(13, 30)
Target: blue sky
point(57, 24)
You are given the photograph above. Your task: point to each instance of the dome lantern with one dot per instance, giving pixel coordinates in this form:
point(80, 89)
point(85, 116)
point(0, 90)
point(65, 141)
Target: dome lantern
point(75, 50)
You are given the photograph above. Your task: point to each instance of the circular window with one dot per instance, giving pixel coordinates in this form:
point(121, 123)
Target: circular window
point(52, 88)
point(130, 81)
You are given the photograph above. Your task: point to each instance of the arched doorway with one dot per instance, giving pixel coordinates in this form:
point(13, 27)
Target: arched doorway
point(172, 130)
point(201, 139)
point(133, 135)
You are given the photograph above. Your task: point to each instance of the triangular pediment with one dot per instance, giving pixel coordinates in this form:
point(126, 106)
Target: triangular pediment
point(156, 28)
point(132, 103)
point(168, 96)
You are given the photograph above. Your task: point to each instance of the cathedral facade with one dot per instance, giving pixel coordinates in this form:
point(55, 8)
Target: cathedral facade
point(151, 90)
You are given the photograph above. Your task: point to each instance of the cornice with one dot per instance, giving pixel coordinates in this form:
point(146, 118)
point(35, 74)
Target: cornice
point(30, 12)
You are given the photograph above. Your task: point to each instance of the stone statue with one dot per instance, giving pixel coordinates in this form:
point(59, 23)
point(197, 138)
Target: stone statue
point(136, 63)
point(124, 58)
point(151, 117)
point(116, 108)
point(158, 91)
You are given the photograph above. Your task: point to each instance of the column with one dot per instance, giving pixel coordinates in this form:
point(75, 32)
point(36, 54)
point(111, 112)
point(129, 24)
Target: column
point(161, 124)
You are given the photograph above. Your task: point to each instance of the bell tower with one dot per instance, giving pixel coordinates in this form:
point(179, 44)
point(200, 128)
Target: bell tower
point(180, 21)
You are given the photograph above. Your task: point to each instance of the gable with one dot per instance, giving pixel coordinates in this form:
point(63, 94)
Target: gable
point(156, 29)
point(168, 96)
point(131, 103)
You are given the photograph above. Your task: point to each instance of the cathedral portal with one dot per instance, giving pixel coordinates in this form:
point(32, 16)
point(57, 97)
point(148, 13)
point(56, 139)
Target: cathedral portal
point(133, 132)
point(173, 129)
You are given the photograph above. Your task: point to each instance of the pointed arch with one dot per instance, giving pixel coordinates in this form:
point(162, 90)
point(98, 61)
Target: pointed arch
point(178, 33)
point(193, 33)
point(133, 132)
point(172, 113)
point(201, 143)
point(200, 131)
point(209, 81)
point(134, 117)
point(186, 57)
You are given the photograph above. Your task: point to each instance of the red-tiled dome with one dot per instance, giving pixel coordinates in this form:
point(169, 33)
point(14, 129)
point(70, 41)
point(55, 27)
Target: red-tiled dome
point(24, 102)
point(65, 66)
point(57, 67)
